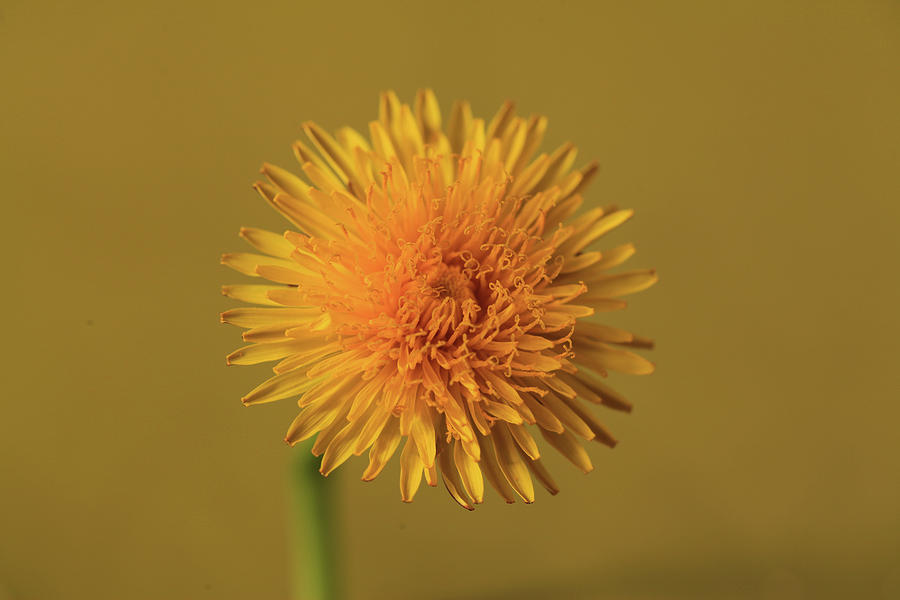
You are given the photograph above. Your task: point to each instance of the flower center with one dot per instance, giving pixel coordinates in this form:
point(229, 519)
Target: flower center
point(450, 282)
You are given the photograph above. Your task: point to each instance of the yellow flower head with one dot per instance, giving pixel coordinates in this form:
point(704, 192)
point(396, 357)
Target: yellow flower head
point(435, 292)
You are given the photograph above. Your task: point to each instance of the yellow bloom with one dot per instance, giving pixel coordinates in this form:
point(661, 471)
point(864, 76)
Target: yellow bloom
point(434, 294)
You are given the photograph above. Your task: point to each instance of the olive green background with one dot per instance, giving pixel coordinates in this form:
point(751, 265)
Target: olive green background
point(758, 142)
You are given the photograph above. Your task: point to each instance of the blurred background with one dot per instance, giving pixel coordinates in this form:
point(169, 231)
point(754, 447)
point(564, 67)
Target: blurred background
point(759, 144)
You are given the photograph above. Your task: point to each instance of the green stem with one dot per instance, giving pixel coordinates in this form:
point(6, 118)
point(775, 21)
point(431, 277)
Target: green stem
point(313, 573)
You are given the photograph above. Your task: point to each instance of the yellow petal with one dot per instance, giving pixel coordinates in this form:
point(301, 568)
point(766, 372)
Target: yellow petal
point(475, 143)
point(247, 263)
point(285, 181)
point(267, 241)
point(501, 120)
point(352, 139)
point(583, 222)
point(266, 333)
point(587, 175)
point(306, 157)
point(287, 296)
point(517, 136)
point(252, 294)
point(325, 437)
point(543, 475)
point(565, 209)
point(410, 471)
point(567, 416)
point(525, 441)
point(314, 418)
point(343, 363)
point(428, 114)
point(568, 183)
point(603, 333)
point(388, 107)
point(383, 448)
point(533, 343)
point(372, 429)
point(469, 473)
point(341, 447)
point(535, 361)
point(266, 190)
point(479, 417)
point(616, 256)
point(537, 126)
point(460, 125)
point(575, 311)
point(339, 386)
point(560, 387)
point(569, 447)
point(502, 387)
point(602, 304)
point(370, 391)
point(290, 275)
point(621, 284)
point(492, 471)
point(270, 192)
point(258, 353)
point(431, 477)
point(314, 325)
point(422, 432)
point(639, 342)
point(578, 262)
point(605, 357)
point(306, 215)
point(560, 162)
point(337, 158)
point(511, 463)
point(501, 411)
point(601, 433)
point(528, 179)
point(592, 390)
point(451, 478)
point(381, 141)
point(256, 317)
point(307, 358)
point(279, 387)
point(601, 227)
point(543, 415)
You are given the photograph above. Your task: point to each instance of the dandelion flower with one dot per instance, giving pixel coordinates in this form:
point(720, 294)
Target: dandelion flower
point(436, 293)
